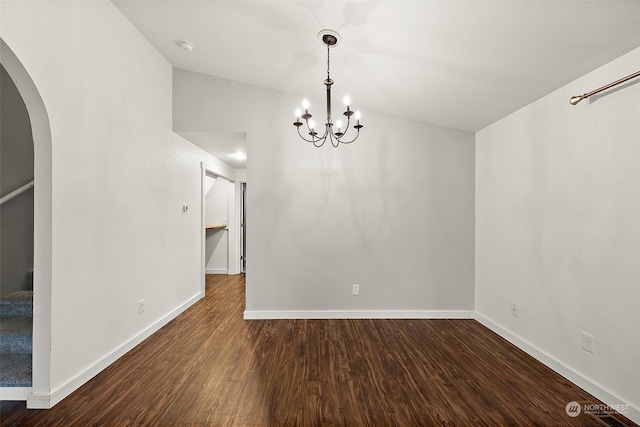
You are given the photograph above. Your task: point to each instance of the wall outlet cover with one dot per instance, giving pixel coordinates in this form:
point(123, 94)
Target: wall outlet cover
point(588, 342)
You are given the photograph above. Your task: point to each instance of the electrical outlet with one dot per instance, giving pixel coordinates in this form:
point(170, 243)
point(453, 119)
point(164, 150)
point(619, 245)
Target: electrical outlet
point(355, 290)
point(588, 342)
point(514, 309)
point(141, 306)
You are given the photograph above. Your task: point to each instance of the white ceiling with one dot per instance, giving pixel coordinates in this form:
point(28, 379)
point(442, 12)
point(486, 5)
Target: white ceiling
point(459, 64)
point(223, 145)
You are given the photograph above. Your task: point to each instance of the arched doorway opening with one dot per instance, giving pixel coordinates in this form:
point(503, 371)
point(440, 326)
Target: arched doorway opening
point(38, 395)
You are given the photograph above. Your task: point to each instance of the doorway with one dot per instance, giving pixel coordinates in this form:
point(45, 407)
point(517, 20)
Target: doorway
point(217, 200)
point(38, 395)
point(220, 225)
point(16, 241)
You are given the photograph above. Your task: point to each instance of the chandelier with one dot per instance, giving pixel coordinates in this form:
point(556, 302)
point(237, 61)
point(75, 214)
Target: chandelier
point(332, 131)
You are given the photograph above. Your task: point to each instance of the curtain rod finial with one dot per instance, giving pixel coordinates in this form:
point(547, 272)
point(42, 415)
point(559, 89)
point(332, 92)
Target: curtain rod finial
point(575, 99)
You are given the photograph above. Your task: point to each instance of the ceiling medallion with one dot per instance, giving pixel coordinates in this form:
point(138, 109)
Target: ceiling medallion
point(332, 131)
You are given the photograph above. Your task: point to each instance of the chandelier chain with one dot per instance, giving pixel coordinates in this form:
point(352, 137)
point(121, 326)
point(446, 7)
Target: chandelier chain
point(328, 68)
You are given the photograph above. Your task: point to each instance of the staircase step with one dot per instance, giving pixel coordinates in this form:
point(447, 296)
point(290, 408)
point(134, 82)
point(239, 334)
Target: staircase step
point(17, 304)
point(16, 335)
point(15, 370)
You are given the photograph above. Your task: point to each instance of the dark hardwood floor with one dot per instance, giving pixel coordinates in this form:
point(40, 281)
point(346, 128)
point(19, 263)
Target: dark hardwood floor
point(209, 367)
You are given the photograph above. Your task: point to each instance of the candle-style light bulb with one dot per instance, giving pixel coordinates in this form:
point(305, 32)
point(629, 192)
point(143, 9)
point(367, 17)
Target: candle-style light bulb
point(357, 126)
point(298, 113)
point(305, 104)
point(312, 125)
point(347, 101)
point(339, 125)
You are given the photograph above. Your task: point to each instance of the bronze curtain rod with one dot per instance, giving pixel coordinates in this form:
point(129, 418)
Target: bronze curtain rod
point(574, 100)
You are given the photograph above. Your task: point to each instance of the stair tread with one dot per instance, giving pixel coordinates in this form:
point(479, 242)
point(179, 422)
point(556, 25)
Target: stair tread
point(15, 370)
point(22, 297)
point(16, 325)
point(17, 304)
point(16, 339)
point(16, 335)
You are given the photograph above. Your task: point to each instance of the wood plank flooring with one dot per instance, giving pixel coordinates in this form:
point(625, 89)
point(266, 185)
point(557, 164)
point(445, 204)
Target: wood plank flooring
point(209, 367)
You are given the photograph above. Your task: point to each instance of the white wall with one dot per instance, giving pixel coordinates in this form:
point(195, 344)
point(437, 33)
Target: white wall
point(558, 230)
point(392, 212)
point(119, 180)
point(217, 202)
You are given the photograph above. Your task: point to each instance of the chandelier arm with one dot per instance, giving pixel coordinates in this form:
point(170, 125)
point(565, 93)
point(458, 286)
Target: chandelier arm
point(334, 140)
point(349, 142)
point(346, 129)
point(326, 132)
point(308, 140)
point(357, 127)
point(315, 140)
point(312, 131)
point(321, 143)
point(339, 138)
point(306, 121)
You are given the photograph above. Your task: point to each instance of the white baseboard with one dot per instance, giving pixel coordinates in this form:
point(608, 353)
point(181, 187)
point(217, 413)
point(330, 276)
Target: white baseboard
point(14, 393)
point(587, 385)
point(46, 401)
point(359, 314)
point(39, 401)
point(215, 271)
